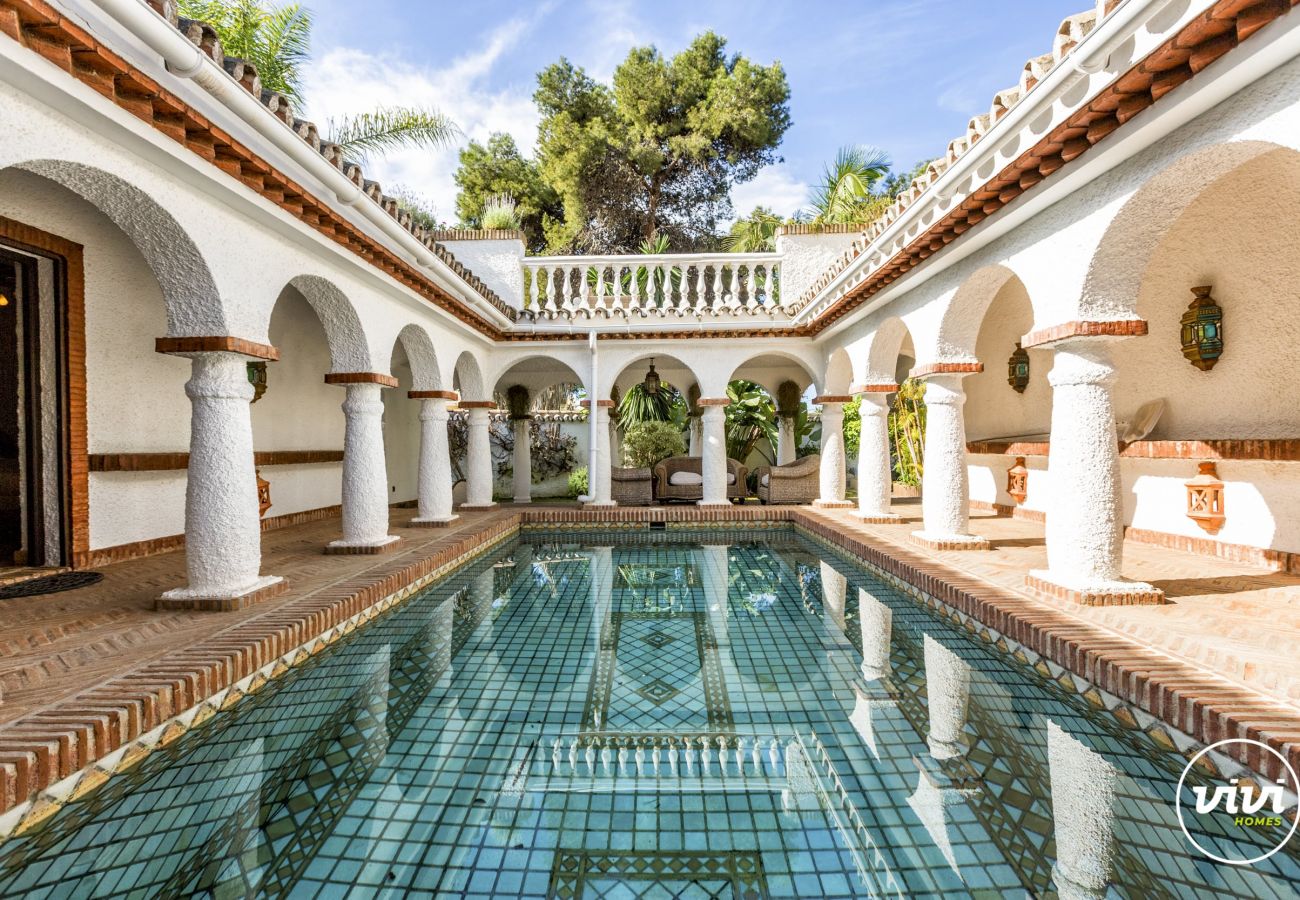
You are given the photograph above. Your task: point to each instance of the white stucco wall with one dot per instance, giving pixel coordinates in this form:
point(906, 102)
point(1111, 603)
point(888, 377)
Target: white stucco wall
point(805, 257)
point(498, 262)
point(401, 435)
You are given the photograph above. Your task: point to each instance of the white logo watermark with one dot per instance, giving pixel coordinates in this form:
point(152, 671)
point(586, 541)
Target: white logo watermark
point(1249, 808)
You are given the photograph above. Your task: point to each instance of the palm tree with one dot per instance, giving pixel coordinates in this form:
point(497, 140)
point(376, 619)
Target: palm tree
point(277, 39)
point(756, 233)
point(845, 195)
point(639, 405)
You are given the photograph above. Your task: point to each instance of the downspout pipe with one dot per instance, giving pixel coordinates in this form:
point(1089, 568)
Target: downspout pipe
point(187, 61)
point(593, 424)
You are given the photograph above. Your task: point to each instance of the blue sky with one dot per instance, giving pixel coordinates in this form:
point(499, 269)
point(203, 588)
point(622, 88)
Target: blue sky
point(901, 75)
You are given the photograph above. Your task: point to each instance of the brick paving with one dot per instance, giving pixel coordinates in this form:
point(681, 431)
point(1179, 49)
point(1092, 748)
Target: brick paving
point(87, 671)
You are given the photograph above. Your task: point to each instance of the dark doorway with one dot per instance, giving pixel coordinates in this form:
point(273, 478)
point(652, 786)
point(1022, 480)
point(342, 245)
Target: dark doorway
point(33, 455)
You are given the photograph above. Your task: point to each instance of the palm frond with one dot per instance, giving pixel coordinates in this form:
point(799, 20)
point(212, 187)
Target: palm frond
point(392, 127)
point(845, 192)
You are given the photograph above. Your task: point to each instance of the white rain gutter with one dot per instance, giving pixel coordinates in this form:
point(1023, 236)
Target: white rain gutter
point(593, 426)
point(1089, 56)
point(185, 60)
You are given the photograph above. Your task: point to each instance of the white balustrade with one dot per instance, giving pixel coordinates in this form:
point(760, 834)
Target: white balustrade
point(568, 286)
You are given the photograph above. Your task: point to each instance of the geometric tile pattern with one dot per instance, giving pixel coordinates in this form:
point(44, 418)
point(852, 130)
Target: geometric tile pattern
point(592, 873)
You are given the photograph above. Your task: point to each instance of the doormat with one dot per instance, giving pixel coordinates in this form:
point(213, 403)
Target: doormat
point(51, 584)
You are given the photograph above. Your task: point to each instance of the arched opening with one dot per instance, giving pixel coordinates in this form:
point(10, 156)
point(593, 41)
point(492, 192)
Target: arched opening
point(891, 356)
point(297, 423)
point(76, 351)
point(1236, 236)
point(539, 397)
point(414, 364)
point(771, 420)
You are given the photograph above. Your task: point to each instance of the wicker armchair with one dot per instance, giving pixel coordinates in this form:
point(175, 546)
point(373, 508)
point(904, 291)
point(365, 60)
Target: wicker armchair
point(665, 491)
point(796, 482)
point(631, 487)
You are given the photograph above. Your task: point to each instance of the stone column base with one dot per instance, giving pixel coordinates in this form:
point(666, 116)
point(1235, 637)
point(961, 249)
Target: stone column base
point(877, 518)
point(951, 541)
point(713, 503)
point(264, 588)
point(1102, 593)
point(476, 507)
point(599, 503)
point(834, 504)
point(440, 522)
point(342, 548)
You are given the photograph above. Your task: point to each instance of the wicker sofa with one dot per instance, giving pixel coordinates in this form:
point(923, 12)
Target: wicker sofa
point(796, 482)
point(666, 491)
point(631, 487)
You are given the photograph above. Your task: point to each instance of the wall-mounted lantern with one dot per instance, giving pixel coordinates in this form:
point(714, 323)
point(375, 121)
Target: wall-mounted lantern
point(1018, 481)
point(257, 378)
point(263, 494)
point(1205, 498)
point(1202, 330)
point(1018, 369)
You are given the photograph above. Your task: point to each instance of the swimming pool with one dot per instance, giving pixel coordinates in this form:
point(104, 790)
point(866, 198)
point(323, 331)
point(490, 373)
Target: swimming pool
point(649, 714)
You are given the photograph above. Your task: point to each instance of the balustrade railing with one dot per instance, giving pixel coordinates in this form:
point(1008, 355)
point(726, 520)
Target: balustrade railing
point(645, 285)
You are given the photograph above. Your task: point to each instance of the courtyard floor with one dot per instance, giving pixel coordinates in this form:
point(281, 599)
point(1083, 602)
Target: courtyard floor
point(70, 663)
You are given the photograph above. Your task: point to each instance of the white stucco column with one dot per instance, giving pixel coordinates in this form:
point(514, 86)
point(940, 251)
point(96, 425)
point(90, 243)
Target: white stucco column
point(599, 481)
point(478, 455)
point(713, 450)
point(947, 687)
point(945, 489)
point(365, 475)
point(1085, 518)
point(1083, 815)
point(832, 452)
point(875, 474)
point(523, 461)
point(223, 532)
point(785, 444)
point(435, 459)
point(875, 623)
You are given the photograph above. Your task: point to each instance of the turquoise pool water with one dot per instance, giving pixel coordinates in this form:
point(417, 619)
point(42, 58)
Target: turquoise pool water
point(710, 714)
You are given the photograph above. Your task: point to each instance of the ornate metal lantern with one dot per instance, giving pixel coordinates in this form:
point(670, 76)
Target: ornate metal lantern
point(1018, 369)
point(1202, 330)
point(651, 383)
point(263, 494)
point(1018, 481)
point(1205, 498)
point(257, 378)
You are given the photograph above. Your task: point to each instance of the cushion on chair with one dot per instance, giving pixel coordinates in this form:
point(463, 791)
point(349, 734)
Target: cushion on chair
point(683, 478)
point(731, 478)
point(766, 479)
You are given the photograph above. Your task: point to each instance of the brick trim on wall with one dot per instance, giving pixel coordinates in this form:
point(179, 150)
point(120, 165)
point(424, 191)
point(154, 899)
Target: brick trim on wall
point(946, 368)
point(832, 398)
point(1258, 450)
point(165, 462)
point(74, 363)
point(873, 389)
point(433, 395)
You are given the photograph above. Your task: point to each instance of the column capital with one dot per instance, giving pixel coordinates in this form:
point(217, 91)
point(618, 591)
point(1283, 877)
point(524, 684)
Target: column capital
point(823, 399)
point(477, 404)
point(882, 388)
point(433, 395)
point(706, 402)
point(361, 378)
point(1083, 328)
point(966, 367)
point(600, 404)
point(186, 346)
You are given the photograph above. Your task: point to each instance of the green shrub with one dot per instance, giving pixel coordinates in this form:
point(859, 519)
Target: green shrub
point(578, 482)
point(646, 443)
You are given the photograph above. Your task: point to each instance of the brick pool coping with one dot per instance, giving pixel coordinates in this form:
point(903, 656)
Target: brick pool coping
point(62, 751)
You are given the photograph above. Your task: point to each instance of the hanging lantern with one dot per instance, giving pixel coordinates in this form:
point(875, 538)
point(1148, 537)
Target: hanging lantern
point(1018, 369)
point(1205, 498)
point(263, 494)
point(1202, 330)
point(651, 383)
point(257, 378)
point(1018, 481)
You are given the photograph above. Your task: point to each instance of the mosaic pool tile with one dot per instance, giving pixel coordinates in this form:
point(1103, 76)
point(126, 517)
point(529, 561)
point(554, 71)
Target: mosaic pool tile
point(902, 749)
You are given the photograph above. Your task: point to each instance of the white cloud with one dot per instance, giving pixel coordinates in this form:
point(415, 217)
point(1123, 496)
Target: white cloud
point(347, 81)
point(774, 187)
